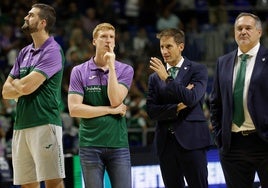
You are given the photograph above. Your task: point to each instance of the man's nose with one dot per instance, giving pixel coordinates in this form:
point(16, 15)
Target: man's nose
point(244, 30)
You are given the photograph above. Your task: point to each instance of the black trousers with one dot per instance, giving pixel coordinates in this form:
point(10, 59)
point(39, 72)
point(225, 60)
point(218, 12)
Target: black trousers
point(177, 163)
point(247, 155)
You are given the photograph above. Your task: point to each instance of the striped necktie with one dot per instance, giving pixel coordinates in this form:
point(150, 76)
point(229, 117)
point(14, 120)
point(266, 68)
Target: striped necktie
point(173, 71)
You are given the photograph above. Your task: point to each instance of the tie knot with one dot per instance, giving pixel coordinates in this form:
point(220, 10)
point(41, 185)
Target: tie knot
point(244, 57)
point(173, 71)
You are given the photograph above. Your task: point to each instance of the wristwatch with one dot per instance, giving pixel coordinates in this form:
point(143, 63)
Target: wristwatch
point(169, 78)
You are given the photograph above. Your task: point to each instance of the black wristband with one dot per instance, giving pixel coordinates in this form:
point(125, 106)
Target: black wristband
point(169, 78)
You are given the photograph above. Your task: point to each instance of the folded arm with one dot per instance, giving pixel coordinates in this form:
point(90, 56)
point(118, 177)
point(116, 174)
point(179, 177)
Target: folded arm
point(78, 109)
point(14, 88)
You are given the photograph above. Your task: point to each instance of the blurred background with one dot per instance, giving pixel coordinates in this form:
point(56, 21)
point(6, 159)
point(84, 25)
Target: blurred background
point(208, 27)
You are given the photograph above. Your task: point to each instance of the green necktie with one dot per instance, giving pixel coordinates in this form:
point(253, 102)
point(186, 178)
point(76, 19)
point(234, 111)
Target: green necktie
point(173, 71)
point(238, 116)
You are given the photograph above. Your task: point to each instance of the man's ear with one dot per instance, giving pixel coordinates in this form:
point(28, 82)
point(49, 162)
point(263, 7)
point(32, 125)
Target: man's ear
point(44, 22)
point(181, 46)
point(93, 42)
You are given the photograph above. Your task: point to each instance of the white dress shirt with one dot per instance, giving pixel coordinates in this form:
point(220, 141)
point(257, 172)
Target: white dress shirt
point(248, 123)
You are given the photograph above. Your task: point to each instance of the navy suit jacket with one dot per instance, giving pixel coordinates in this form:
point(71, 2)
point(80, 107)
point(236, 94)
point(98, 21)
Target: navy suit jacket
point(190, 125)
point(221, 99)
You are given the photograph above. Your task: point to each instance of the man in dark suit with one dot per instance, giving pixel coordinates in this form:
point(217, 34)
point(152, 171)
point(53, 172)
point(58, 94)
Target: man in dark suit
point(243, 144)
point(175, 103)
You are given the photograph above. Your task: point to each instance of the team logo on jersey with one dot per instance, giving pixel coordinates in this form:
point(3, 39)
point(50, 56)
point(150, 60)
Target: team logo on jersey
point(93, 89)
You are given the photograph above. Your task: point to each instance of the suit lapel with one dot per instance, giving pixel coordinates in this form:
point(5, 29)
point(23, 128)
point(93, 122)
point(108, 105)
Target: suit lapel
point(261, 60)
point(185, 67)
point(228, 71)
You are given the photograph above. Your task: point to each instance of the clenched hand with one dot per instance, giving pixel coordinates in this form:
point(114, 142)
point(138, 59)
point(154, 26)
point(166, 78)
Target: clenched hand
point(109, 56)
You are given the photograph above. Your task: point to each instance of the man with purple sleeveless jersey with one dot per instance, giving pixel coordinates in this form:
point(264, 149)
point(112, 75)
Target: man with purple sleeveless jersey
point(35, 82)
point(97, 91)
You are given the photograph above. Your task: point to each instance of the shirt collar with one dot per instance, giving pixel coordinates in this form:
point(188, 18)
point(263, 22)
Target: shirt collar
point(251, 52)
point(94, 67)
point(46, 43)
point(178, 64)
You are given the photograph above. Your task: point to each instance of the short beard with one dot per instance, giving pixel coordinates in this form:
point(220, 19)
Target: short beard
point(27, 30)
